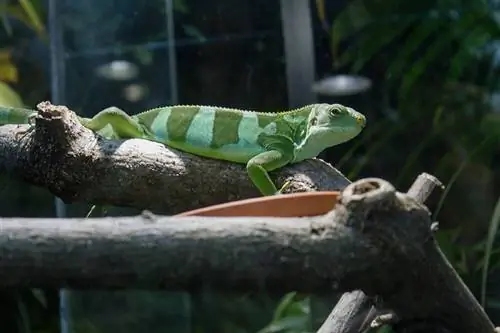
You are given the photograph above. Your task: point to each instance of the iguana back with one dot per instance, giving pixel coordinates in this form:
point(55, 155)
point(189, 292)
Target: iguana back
point(223, 133)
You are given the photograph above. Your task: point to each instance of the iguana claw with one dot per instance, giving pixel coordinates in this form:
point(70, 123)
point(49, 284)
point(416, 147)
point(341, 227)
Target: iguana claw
point(31, 119)
point(280, 191)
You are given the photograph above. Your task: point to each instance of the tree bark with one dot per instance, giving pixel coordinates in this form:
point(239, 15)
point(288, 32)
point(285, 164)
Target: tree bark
point(79, 166)
point(355, 311)
point(226, 253)
point(376, 240)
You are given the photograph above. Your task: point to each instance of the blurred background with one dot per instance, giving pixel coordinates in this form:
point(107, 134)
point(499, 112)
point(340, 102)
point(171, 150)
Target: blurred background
point(425, 74)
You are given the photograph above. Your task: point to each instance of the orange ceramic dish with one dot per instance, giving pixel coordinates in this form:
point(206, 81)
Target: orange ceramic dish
point(286, 205)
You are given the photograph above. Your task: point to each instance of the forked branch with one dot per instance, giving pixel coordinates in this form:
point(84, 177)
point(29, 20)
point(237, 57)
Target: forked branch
point(376, 240)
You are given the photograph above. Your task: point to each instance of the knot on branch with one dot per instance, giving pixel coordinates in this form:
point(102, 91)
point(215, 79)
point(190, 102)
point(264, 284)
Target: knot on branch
point(54, 148)
point(366, 193)
point(375, 207)
point(389, 223)
point(56, 129)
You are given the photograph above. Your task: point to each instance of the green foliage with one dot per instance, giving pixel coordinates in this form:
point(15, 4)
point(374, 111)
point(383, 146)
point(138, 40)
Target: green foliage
point(27, 11)
point(435, 66)
point(414, 38)
point(489, 250)
point(292, 315)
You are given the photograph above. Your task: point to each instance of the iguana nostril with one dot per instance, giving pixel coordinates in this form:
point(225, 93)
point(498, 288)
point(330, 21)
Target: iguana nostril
point(361, 120)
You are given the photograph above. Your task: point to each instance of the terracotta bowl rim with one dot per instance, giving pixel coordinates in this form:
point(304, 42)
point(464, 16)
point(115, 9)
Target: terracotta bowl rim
point(249, 201)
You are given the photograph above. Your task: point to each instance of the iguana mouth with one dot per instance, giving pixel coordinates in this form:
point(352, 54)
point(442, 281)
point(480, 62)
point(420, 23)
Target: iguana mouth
point(339, 129)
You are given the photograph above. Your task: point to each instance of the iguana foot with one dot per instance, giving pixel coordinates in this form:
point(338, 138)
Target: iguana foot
point(31, 122)
point(31, 119)
point(284, 187)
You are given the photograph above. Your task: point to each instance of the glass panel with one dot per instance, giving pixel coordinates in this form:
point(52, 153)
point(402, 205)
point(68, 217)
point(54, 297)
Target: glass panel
point(140, 55)
point(106, 57)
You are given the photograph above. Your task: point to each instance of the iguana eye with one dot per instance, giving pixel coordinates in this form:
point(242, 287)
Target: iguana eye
point(335, 112)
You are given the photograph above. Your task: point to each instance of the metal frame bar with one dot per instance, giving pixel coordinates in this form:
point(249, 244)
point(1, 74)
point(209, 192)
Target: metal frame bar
point(299, 51)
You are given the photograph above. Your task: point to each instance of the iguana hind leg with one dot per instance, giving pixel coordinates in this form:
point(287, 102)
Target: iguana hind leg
point(259, 166)
point(124, 126)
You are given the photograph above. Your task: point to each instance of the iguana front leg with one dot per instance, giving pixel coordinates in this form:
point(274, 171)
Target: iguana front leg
point(259, 166)
point(123, 125)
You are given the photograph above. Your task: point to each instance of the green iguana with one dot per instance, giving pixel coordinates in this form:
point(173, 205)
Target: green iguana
point(262, 141)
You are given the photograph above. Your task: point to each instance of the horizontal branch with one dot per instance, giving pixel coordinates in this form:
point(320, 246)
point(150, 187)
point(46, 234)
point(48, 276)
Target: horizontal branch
point(172, 252)
point(78, 166)
point(303, 254)
point(376, 240)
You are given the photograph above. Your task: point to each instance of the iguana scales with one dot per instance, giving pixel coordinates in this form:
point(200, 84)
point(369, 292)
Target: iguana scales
point(263, 141)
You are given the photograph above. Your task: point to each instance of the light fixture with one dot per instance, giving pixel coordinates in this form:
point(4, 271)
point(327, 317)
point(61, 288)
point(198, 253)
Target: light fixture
point(342, 85)
point(118, 70)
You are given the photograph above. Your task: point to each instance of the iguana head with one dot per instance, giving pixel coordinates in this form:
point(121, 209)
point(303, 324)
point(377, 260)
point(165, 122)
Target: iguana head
point(329, 125)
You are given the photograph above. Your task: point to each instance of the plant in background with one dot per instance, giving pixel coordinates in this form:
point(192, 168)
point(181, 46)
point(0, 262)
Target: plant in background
point(292, 315)
point(435, 68)
point(28, 12)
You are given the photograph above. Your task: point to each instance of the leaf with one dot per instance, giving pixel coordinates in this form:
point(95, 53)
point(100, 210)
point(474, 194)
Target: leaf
point(492, 232)
point(23, 320)
point(181, 6)
point(33, 16)
point(473, 41)
point(8, 71)
point(289, 305)
point(447, 240)
point(414, 40)
point(295, 323)
point(465, 161)
point(40, 296)
point(290, 314)
point(19, 13)
point(352, 19)
point(379, 36)
point(365, 15)
point(194, 32)
point(320, 8)
point(490, 125)
point(415, 71)
point(9, 97)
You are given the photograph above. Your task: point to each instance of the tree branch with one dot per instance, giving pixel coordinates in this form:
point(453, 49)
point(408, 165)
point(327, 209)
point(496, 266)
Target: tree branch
point(355, 311)
point(376, 240)
point(423, 186)
point(79, 166)
point(224, 253)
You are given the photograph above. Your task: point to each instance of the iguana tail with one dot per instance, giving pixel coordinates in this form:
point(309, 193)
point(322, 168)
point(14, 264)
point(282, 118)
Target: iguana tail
point(10, 115)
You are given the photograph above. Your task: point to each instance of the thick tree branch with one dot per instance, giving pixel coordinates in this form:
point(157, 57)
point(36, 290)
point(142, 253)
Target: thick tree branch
point(78, 166)
point(376, 240)
point(226, 253)
point(355, 311)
